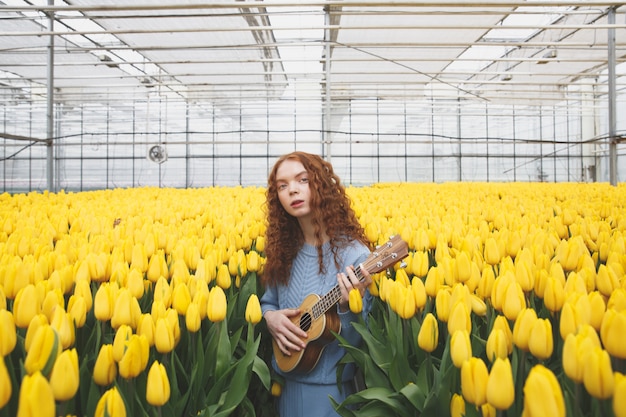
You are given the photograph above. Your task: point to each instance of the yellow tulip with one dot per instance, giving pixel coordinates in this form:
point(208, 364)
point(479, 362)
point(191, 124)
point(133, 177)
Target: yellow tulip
point(522, 328)
point(459, 318)
point(104, 302)
point(540, 342)
point(612, 332)
point(525, 274)
point(216, 306)
point(514, 301)
point(428, 336)
point(139, 258)
point(172, 317)
point(277, 389)
point(254, 315)
point(500, 386)
point(492, 251)
point(64, 378)
point(554, 294)
point(474, 377)
point(224, 279)
point(598, 374)
point(43, 352)
point(158, 385)
point(36, 398)
point(77, 309)
point(496, 345)
point(619, 396)
point(164, 340)
point(542, 394)
point(181, 298)
point(419, 292)
point(5, 384)
point(134, 283)
point(406, 306)
point(420, 264)
point(574, 356)
point(126, 310)
point(8, 335)
point(606, 280)
point(457, 406)
point(163, 292)
point(192, 318)
point(105, 368)
point(598, 309)
point(26, 306)
point(479, 307)
point(502, 323)
point(157, 266)
point(485, 283)
point(463, 266)
point(64, 325)
point(460, 347)
point(110, 404)
point(131, 364)
point(617, 300)
point(434, 281)
point(253, 261)
point(442, 304)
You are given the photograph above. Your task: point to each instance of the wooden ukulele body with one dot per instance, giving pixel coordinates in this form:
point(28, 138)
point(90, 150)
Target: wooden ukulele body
point(319, 334)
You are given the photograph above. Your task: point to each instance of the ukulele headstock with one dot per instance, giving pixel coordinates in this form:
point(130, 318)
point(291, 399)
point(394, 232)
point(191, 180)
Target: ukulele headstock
point(386, 255)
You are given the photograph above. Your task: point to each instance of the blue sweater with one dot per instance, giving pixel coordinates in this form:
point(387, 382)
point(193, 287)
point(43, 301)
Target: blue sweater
point(305, 280)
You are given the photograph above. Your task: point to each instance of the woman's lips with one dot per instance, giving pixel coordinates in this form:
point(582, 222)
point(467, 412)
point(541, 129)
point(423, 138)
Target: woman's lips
point(297, 203)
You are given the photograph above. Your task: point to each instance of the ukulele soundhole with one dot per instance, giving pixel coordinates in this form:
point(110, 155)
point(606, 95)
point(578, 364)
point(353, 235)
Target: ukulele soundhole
point(305, 322)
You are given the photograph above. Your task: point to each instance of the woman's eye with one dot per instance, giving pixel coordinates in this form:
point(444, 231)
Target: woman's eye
point(282, 186)
point(304, 180)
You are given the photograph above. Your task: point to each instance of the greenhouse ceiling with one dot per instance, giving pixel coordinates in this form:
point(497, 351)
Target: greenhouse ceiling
point(533, 52)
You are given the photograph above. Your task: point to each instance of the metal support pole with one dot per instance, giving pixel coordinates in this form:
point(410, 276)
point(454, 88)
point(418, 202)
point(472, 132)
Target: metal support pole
point(612, 100)
point(327, 116)
point(50, 104)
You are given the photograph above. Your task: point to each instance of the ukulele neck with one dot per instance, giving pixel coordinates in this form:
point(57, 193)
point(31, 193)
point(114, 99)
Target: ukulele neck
point(332, 297)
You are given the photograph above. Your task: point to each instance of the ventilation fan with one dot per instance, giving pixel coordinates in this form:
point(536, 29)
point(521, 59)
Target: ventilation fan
point(157, 153)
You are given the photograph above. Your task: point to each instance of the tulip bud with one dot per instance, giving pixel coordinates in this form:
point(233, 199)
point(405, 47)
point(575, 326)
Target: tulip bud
point(64, 378)
point(111, 404)
point(104, 302)
point(420, 264)
point(132, 362)
point(612, 332)
point(474, 377)
point(500, 386)
point(598, 309)
point(158, 385)
point(192, 318)
point(554, 294)
point(542, 394)
point(64, 325)
point(463, 266)
point(406, 302)
point(164, 340)
point(496, 345)
point(77, 309)
point(523, 327)
point(254, 315)
point(181, 298)
point(598, 374)
point(134, 283)
point(619, 405)
point(457, 406)
point(459, 319)
point(223, 279)
point(428, 336)
point(442, 304)
point(163, 292)
point(216, 306)
point(606, 280)
point(105, 369)
point(276, 389)
point(26, 306)
point(419, 292)
point(253, 261)
point(575, 351)
point(36, 398)
point(126, 311)
point(514, 301)
point(460, 347)
point(5, 384)
point(8, 335)
point(502, 323)
point(492, 251)
point(43, 351)
point(540, 342)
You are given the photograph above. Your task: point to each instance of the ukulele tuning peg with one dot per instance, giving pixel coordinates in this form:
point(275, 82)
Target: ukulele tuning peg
point(402, 264)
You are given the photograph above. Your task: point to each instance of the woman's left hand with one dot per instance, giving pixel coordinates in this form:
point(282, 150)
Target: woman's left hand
point(348, 281)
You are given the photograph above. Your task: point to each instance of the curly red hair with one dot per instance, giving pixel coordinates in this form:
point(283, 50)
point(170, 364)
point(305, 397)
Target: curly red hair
point(331, 211)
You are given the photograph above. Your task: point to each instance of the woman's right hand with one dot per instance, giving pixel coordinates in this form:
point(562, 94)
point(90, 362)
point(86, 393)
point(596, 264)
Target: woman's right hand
point(288, 336)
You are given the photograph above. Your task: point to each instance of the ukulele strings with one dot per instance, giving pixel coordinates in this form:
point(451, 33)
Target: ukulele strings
point(326, 302)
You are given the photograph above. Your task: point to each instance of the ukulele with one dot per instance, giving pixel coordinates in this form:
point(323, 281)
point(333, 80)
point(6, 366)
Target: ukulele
point(319, 320)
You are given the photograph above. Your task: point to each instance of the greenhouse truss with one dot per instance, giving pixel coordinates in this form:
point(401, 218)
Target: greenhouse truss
point(108, 94)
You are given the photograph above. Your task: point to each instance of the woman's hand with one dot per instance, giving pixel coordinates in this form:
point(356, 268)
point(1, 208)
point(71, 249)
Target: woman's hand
point(347, 281)
point(288, 336)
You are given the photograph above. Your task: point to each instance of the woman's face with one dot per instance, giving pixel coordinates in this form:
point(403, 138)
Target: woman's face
point(292, 183)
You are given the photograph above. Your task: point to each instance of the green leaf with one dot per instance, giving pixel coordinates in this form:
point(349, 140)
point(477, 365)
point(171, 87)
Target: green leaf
point(223, 351)
point(415, 395)
point(260, 368)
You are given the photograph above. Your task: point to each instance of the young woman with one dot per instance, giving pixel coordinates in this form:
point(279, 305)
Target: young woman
point(313, 243)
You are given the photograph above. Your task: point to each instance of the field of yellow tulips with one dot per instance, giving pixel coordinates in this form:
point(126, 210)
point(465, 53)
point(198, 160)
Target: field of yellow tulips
point(145, 301)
